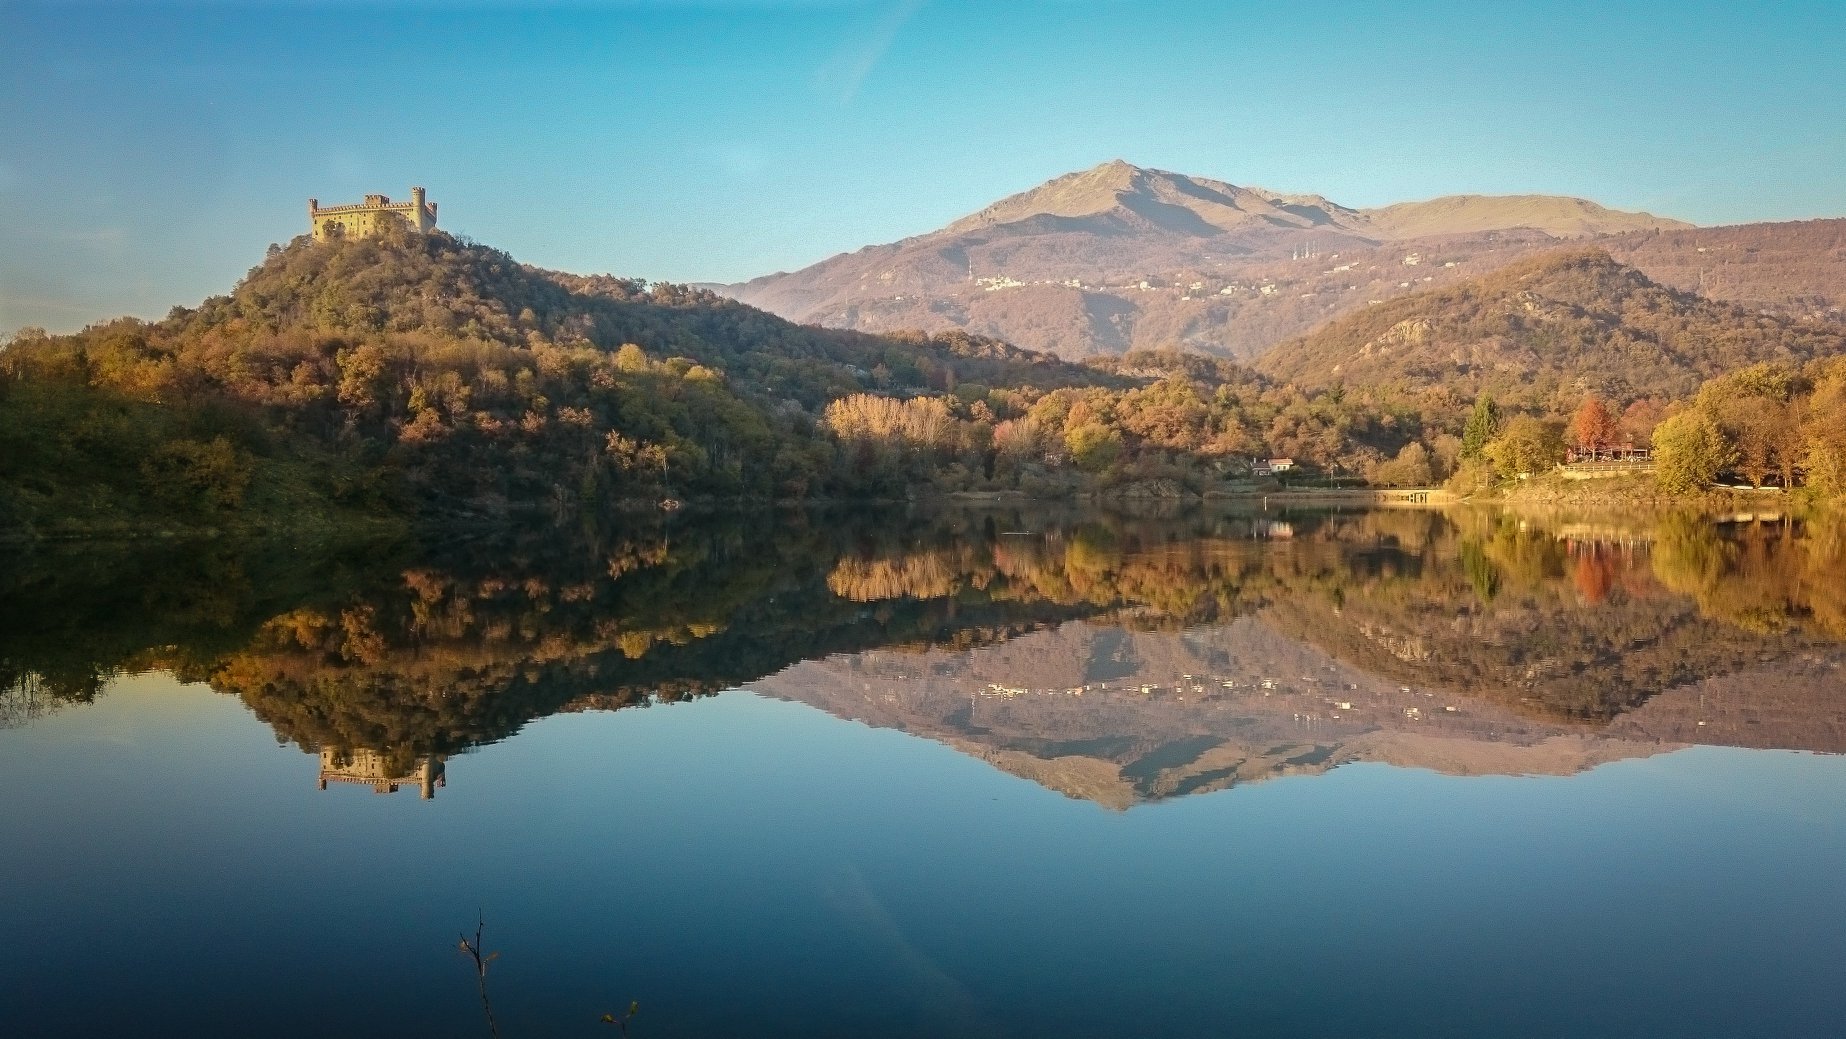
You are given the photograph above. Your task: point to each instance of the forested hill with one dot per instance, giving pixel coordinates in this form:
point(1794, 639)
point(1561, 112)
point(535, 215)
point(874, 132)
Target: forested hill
point(1542, 333)
point(437, 287)
point(425, 374)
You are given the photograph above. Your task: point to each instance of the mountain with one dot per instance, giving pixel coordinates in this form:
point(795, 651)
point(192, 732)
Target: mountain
point(1121, 198)
point(1544, 331)
point(1118, 258)
point(1118, 198)
point(420, 376)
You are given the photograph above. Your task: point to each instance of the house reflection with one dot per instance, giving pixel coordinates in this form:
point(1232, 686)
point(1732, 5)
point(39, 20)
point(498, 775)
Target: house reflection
point(384, 773)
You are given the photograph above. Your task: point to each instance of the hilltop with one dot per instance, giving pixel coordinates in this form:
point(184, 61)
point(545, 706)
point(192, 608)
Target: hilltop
point(1118, 258)
point(1542, 333)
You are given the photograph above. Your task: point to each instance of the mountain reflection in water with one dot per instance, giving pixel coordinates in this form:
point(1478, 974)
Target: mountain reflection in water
point(1117, 659)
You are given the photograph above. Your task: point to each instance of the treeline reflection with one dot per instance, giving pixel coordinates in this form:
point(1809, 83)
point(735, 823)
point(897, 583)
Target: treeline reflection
point(399, 655)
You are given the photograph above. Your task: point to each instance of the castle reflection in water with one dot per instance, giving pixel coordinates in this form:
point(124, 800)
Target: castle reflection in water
point(381, 772)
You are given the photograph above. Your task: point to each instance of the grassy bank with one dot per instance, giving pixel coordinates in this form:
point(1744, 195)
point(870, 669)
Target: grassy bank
point(1643, 494)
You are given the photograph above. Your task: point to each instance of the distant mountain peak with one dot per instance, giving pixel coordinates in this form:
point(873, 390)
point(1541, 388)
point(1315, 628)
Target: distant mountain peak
point(1155, 201)
point(1078, 194)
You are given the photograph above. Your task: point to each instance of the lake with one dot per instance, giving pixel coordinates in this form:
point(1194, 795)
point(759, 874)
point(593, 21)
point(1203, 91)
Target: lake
point(999, 773)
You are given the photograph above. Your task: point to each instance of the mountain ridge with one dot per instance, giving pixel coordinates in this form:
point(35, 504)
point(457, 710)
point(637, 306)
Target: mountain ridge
point(1120, 257)
point(1225, 206)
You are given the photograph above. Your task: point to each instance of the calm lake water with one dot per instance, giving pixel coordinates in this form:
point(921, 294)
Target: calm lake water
point(987, 774)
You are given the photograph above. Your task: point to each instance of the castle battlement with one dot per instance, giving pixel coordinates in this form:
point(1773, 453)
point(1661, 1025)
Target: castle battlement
point(370, 217)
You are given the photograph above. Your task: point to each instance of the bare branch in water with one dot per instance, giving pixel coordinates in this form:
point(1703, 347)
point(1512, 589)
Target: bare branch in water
point(472, 949)
point(622, 1022)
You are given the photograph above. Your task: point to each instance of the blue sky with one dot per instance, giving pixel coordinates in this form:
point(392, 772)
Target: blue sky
point(150, 151)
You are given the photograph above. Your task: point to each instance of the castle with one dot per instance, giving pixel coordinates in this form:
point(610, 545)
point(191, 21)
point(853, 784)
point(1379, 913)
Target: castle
point(370, 217)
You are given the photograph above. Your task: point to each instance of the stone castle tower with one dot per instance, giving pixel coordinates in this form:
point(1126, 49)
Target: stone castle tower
point(371, 216)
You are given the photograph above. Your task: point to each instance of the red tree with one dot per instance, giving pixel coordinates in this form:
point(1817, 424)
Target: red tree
point(1593, 428)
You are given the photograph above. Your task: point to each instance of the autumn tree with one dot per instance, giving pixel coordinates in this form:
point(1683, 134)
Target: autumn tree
point(1639, 419)
point(1689, 452)
point(1593, 428)
point(1411, 468)
point(1824, 427)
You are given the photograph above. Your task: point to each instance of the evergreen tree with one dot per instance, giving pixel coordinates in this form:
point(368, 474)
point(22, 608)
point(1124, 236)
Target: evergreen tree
point(1483, 425)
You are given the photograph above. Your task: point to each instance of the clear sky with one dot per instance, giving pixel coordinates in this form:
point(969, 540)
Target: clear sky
point(150, 151)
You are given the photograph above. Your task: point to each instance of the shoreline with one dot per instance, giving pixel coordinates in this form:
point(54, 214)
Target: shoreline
point(1631, 502)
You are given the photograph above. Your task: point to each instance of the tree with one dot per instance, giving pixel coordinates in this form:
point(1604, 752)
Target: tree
point(1593, 428)
point(1411, 468)
point(1746, 423)
point(1825, 462)
point(1825, 430)
point(189, 474)
point(1788, 442)
point(1445, 452)
point(1483, 425)
point(1527, 446)
point(1638, 422)
point(1689, 452)
point(1093, 446)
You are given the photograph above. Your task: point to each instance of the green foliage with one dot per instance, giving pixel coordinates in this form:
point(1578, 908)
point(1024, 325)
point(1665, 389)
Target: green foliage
point(1689, 452)
point(1526, 447)
point(195, 476)
point(1093, 446)
point(1483, 425)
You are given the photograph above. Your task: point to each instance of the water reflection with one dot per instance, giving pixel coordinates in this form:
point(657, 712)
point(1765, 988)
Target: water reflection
point(1118, 659)
point(384, 771)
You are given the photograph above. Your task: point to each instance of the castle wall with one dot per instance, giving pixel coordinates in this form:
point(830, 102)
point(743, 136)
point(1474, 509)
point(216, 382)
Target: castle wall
point(370, 217)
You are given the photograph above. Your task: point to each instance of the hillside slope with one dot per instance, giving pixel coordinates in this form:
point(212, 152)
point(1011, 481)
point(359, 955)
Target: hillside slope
point(1542, 333)
point(1796, 269)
